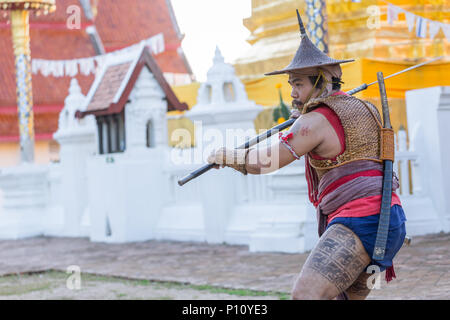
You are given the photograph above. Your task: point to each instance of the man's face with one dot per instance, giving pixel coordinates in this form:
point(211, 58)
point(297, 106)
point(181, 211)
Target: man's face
point(301, 88)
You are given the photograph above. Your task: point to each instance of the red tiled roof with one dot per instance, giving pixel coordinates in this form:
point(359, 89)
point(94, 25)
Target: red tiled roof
point(108, 87)
point(149, 18)
point(102, 101)
point(46, 90)
point(119, 23)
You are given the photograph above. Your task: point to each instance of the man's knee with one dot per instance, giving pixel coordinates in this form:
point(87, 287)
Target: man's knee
point(303, 290)
point(309, 295)
point(304, 295)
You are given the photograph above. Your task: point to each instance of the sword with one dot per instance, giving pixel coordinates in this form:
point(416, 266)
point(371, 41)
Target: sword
point(387, 154)
point(286, 124)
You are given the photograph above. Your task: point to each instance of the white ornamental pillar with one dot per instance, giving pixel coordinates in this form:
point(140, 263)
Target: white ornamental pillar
point(223, 116)
point(77, 139)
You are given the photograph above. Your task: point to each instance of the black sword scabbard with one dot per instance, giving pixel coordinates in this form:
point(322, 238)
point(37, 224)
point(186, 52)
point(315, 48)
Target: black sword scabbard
point(385, 211)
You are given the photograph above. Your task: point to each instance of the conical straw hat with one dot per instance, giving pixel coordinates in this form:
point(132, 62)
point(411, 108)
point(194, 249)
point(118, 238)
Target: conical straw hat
point(308, 55)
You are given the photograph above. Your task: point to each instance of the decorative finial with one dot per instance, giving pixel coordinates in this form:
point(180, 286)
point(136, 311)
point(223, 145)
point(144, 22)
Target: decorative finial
point(74, 87)
point(300, 23)
point(75, 98)
point(218, 57)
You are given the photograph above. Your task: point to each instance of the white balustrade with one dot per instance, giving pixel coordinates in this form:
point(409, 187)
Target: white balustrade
point(404, 160)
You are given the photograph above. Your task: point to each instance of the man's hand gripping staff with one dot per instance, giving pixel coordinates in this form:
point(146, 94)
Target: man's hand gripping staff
point(233, 158)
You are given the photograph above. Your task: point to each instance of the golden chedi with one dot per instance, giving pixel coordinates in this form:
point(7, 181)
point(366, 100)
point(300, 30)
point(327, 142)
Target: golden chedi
point(356, 30)
point(20, 29)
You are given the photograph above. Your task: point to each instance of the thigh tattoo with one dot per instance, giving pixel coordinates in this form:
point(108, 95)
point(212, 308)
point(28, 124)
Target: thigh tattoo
point(337, 257)
point(359, 287)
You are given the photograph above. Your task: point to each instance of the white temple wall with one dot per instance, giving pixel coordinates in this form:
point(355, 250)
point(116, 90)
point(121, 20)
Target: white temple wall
point(182, 217)
point(428, 114)
point(266, 212)
point(54, 219)
point(127, 190)
point(126, 196)
point(24, 200)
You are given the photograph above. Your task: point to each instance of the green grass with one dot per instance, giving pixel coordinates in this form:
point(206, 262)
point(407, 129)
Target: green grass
point(164, 298)
point(119, 295)
point(48, 282)
point(214, 289)
point(236, 292)
point(181, 286)
point(18, 288)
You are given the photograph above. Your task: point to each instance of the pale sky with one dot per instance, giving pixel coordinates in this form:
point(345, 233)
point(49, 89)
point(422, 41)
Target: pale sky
point(207, 23)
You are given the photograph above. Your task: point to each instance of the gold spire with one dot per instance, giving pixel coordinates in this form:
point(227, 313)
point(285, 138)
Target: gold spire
point(274, 33)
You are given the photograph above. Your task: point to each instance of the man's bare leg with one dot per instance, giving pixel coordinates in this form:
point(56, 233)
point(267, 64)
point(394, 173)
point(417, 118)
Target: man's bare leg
point(359, 289)
point(333, 265)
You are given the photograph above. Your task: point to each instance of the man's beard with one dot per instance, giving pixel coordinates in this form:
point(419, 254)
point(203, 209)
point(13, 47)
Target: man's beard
point(296, 104)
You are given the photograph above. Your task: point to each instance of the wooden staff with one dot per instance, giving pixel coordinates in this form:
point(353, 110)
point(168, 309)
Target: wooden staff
point(287, 124)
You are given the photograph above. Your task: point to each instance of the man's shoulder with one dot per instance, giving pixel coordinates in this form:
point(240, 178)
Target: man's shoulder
point(345, 102)
point(310, 122)
point(344, 107)
point(331, 101)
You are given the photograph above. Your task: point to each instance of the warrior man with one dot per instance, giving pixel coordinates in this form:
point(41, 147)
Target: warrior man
point(339, 137)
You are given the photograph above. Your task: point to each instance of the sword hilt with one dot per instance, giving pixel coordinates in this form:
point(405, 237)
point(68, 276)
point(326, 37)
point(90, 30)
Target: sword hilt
point(384, 101)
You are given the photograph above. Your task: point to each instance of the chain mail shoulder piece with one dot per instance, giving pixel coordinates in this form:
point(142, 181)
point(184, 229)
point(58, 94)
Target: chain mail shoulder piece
point(362, 127)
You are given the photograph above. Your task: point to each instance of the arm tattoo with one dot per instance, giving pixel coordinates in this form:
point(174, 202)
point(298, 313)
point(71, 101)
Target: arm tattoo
point(297, 126)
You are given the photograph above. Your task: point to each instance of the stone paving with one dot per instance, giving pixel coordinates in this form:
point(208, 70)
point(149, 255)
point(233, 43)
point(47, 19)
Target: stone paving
point(423, 268)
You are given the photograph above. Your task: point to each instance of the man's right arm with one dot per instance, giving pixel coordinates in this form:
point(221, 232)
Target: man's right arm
point(306, 136)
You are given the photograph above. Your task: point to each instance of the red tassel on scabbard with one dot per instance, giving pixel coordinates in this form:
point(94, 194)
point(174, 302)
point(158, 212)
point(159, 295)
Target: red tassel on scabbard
point(390, 273)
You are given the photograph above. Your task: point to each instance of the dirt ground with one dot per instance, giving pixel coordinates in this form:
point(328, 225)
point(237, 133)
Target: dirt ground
point(160, 268)
point(53, 286)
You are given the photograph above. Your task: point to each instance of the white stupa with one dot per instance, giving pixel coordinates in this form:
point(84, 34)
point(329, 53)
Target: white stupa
point(223, 103)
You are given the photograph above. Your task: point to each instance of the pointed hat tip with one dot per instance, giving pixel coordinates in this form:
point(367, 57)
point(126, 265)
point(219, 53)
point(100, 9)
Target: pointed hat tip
point(300, 23)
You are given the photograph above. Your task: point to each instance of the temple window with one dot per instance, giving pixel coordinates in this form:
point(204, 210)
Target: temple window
point(111, 133)
point(209, 92)
point(228, 92)
point(150, 135)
